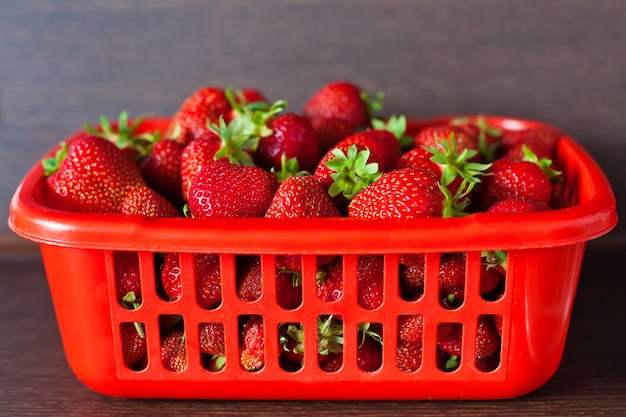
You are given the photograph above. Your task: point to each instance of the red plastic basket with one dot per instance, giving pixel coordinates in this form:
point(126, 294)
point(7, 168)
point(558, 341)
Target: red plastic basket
point(545, 251)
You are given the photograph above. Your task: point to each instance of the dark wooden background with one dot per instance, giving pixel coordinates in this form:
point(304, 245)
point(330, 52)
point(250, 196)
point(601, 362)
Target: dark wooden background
point(63, 63)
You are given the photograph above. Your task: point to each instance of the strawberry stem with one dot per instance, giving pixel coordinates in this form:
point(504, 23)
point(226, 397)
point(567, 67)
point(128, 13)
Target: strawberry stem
point(397, 126)
point(545, 164)
point(236, 143)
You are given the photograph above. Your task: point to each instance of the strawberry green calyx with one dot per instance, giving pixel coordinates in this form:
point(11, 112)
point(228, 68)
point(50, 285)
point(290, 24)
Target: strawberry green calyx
point(545, 164)
point(373, 102)
point(289, 168)
point(397, 126)
point(292, 332)
point(456, 163)
point(352, 172)
point(51, 165)
point(124, 136)
point(493, 259)
point(255, 117)
point(236, 144)
point(455, 205)
point(330, 335)
point(365, 331)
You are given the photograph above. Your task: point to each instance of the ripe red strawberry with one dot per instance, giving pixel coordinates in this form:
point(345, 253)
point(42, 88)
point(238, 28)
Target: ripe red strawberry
point(380, 142)
point(434, 136)
point(330, 362)
point(408, 356)
point(133, 343)
point(145, 201)
point(288, 289)
point(195, 156)
point(301, 196)
point(404, 193)
point(509, 179)
point(207, 278)
point(418, 158)
point(337, 110)
point(174, 351)
point(369, 354)
point(203, 106)
point(542, 141)
point(252, 350)
point(410, 328)
point(452, 276)
point(330, 281)
point(90, 175)
point(370, 279)
point(212, 344)
point(249, 282)
point(223, 189)
point(292, 136)
point(512, 206)
point(449, 338)
point(161, 169)
point(490, 278)
point(487, 338)
point(127, 278)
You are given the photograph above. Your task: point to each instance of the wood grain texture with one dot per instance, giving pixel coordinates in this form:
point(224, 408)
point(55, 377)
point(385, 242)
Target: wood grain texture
point(66, 62)
point(36, 381)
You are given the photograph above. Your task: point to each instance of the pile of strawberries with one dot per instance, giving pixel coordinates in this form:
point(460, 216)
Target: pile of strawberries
point(232, 153)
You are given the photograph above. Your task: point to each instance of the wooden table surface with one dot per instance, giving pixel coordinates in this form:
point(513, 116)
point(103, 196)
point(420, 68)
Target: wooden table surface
point(35, 379)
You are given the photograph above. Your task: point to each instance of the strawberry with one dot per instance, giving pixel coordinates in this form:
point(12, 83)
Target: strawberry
point(195, 156)
point(212, 344)
point(487, 338)
point(301, 196)
point(337, 110)
point(252, 350)
point(292, 136)
point(144, 201)
point(288, 289)
point(223, 189)
point(435, 136)
point(402, 193)
point(174, 351)
point(203, 106)
point(133, 343)
point(542, 141)
point(452, 277)
point(512, 206)
point(449, 337)
point(90, 175)
point(207, 278)
point(509, 179)
point(369, 354)
point(330, 281)
point(127, 278)
point(380, 142)
point(408, 356)
point(490, 278)
point(410, 328)
point(418, 158)
point(249, 281)
point(331, 362)
point(370, 277)
point(161, 169)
